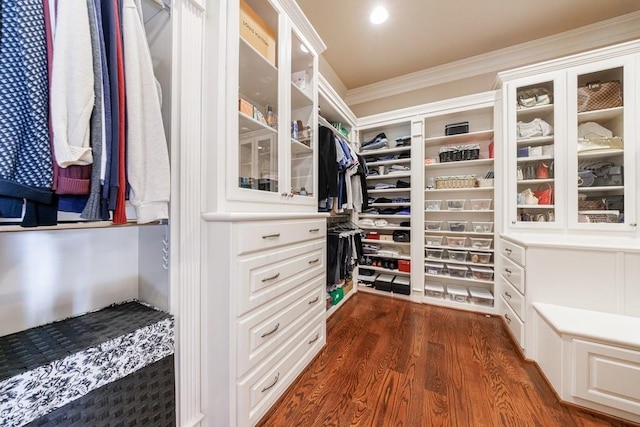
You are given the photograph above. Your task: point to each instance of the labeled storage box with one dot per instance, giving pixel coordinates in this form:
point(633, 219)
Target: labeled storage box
point(257, 33)
point(434, 289)
point(110, 367)
point(457, 293)
point(401, 285)
point(404, 265)
point(433, 268)
point(481, 296)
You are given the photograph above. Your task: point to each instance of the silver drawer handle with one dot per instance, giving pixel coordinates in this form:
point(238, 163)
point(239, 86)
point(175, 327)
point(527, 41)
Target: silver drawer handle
point(506, 316)
point(507, 271)
point(315, 339)
point(315, 300)
point(313, 261)
point(274, 383)
point(314, 230)
point(270, 278)
point(506, 294)
point(508, 251)
point(271, 236)
point(266, 334)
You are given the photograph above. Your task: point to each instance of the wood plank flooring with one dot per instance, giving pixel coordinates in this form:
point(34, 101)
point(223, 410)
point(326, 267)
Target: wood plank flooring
point(389, 362)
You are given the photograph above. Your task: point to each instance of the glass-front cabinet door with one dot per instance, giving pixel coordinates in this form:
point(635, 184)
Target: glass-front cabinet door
point(534, 150)
point(303, 118)
point(603, 121)
point(258, 97)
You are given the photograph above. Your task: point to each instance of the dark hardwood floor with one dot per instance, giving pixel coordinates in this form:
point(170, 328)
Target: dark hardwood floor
point(389, 362)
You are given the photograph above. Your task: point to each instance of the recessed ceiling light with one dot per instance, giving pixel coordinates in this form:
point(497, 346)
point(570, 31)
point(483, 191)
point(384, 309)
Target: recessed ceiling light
point(379, 15)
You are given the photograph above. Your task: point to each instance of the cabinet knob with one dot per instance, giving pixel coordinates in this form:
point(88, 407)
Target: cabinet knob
point(506, 316)
point(506, 270)
point(508, 251)
point(633, 224)
point(508, 295)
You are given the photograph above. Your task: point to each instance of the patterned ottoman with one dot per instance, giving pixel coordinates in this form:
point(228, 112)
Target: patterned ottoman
point(112, 367)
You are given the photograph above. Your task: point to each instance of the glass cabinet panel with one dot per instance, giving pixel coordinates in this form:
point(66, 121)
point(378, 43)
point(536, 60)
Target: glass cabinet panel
point(535, 153)
point(600, 151)
point(258, 97)
point(302, 115)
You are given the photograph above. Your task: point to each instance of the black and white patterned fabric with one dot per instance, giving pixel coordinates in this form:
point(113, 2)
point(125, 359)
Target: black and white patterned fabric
point(25, 153)
point(30, 395)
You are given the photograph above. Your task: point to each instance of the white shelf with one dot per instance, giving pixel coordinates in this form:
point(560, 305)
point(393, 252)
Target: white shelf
point(384, 151)
point(384, 228)
point(533, 112)
point(535, 141)
point(460, 248)
point(459, 233)
point(447, 277)
point(535, 181)
point(535, 206)
point(469, 263)
point(403, 257)
point(604, 189)
point(389, 205)
point(534, 159)
point(460, 211)
point(456, 190)
point(596, 154)
point(389, 162)
point(389, 175)
point(462, 138)
point(364, 215)
point(372, 290)
point(249, 124)
point(460, 164)
point(389, 190)
point(299, 98)
point(600, 115)
point(384, 270)
point(263, 90)
point(386, 242)
point(298, 147)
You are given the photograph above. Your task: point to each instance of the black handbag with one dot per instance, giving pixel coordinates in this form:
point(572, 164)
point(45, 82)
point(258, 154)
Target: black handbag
point(456, 128)
point(401, 236)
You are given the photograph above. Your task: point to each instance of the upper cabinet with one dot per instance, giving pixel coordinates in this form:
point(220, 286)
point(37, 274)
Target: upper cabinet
point(271, 146)
point(570, 135)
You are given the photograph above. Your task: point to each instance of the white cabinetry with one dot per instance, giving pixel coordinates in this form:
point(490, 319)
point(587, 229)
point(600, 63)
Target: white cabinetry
point(513, 288)
point(266, 309)
point(459, 204)
point(270, 154)
point(583, 151)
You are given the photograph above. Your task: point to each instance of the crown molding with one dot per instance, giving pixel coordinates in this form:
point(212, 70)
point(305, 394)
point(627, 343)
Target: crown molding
point(615, 30)
point(468, 102)
point(302, 24)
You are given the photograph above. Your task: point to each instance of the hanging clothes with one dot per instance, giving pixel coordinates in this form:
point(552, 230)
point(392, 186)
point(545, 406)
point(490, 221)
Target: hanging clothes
point(26, 170)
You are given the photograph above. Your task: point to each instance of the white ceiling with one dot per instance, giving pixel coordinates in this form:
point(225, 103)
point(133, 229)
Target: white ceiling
point(422, 34)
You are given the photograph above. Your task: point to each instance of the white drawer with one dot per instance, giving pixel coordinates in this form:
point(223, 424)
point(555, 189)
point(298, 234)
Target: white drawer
point(262, 277)
point(260, 333)
point(607, 375)
point(514, 323)
point(513, 273)
point(514, 252)
point(259, 390)
point(255, 236)
point(513, 297)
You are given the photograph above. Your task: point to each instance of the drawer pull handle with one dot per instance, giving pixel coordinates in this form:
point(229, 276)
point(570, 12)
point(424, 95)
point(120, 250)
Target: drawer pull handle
point(266, 334)
point(274, 383)
point(315, 339)
point(508, 251)
point(271, 236)
point(314, 230)
point(507, 271)
point(313, 261)
point(315, 300)
point(508, 295)
point(270, 278)
point(506, 316)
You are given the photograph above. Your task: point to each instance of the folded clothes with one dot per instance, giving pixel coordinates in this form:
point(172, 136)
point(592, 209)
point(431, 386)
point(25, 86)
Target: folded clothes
point(388, 211)
point(403, 184)
point(384, 186)
point(381, 222)
point(366, 222)
point(382, 200)
point(400, 200)
point(404, 211)
point(381, 137)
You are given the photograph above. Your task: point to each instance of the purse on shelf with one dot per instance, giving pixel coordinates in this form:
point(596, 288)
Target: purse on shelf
point(543, 171)
point(599, 95)
point(545, 195)
point(533, 97)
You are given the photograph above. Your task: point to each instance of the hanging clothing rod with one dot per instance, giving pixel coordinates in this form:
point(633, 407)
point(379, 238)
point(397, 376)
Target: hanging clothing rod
point(324, 122)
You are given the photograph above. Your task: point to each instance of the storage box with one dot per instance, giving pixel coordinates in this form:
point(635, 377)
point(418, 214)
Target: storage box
point(386, 237)
point(432, 205)
point(456, 128)
point(481, 243)
point(457, 255)
point(337, 295)
point(383, 282)
point(480, 257)
point(481, 296)
point(482, 227)
point(457, 271)
point(480, 204)
point(433, 240)
point(373, 235)
point(457, 225)
point(433, 225)
point(257, 33)
point(434, 289)
point(404, 265)
point(433, 268)
point(434, 253)
point(457, 293)
point(401, 285)
point(456, 242)
point(482, 273)
point(455, 204)
point(245, 107)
